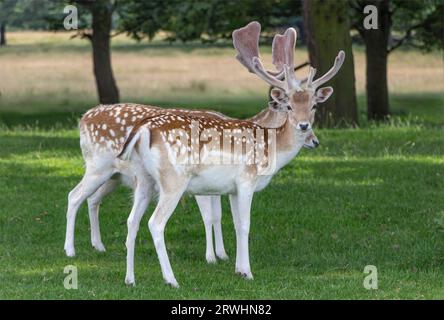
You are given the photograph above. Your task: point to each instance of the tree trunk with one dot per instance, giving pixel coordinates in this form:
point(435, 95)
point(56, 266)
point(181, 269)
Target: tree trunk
point(376, 44)
point(101, 26)
point(2, 34)
point(328, 31)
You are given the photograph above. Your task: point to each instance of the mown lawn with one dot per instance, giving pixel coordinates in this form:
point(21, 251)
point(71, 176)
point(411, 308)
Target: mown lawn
point(367, 196)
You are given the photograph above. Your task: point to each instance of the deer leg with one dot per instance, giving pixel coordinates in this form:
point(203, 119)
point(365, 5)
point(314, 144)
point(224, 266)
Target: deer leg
point(205, 206)
point(236, 222)
point(217, 225)
point(240, 208)
point(165, 208)
point(91, 181)
point(93, 212)
point(142, 196)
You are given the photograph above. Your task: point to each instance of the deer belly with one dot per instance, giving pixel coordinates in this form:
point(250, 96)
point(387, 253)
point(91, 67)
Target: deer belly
point(217, 180)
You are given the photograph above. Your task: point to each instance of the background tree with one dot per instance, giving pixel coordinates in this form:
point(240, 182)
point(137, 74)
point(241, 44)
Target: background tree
point(2, 34)
point(6, 9)
point(415, 22)
point(401, 23)
point(95, 25)
point(101, 12)
point(22, 14)
point(328, 32)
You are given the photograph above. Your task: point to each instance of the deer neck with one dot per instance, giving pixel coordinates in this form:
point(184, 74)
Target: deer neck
point(289, 142)
point(268, 118)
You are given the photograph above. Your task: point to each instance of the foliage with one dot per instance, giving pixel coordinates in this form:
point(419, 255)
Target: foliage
point(45, 14)
point(431, 34)
point(56, 15)
point(416, 23)
point(183, 20)
point(207, 20)
point(25, 14)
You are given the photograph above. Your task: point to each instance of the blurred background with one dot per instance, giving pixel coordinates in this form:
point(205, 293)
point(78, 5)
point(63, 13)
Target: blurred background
point(179, 53)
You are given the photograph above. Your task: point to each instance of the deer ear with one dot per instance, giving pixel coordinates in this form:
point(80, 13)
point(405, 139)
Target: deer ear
point(278, 95)
point(323, 94)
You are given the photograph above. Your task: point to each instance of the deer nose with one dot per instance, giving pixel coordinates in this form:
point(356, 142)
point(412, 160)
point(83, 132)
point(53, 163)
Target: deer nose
point(303, 126)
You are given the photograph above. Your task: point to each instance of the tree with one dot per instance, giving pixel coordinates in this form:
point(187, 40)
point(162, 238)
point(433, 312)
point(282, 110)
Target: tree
point(6, 7)
point(376, 41)
point(24, 14)
point(328, 32)
point(95, 25)
point(2, 34)
point(101, 11)
point(420, 24)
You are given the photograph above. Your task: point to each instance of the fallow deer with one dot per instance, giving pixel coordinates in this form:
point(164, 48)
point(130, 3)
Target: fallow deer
point(111, 123)
point(107, 127)
point(148, 148)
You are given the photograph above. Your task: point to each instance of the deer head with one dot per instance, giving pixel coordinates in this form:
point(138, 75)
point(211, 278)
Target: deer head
point(298, 98)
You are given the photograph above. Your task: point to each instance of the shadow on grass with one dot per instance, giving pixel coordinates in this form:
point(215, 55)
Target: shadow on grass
point(52, 116)
point(24, 144)
point(414, 108)
point(44, 120)
point(410, 109)
point(427, 107)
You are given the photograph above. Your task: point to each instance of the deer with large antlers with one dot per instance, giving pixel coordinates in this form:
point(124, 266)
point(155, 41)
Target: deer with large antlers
point(111, 124)
point(148, 146)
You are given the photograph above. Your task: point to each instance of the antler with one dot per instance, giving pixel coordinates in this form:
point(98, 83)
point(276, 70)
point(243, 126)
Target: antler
point(283, 50)
point(246, 41)
point(328, 75)
point(309, 79)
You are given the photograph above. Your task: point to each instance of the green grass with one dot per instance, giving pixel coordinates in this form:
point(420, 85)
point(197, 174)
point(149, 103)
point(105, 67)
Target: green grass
point(412, 108)
point(366, 196)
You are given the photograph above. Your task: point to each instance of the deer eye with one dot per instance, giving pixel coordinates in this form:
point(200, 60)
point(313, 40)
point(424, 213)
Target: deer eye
point(289, 107)
point(315, 106)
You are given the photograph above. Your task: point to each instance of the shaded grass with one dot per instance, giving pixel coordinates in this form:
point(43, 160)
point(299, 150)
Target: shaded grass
point(366, 196)
point(425, 109)
point(371, 195)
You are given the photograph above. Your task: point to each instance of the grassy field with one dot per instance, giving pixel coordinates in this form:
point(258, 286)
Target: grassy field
point(366, 196)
